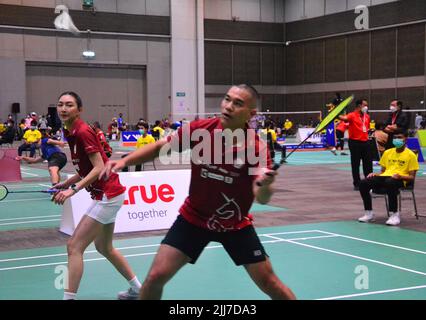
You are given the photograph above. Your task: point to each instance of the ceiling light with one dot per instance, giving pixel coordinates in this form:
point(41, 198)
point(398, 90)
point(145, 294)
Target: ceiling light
point(89, 54)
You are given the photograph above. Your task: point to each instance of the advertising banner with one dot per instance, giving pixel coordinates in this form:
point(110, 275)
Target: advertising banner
point(152, 201)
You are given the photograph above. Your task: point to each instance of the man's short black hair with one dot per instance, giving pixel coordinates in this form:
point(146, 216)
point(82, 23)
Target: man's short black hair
point(251, 89)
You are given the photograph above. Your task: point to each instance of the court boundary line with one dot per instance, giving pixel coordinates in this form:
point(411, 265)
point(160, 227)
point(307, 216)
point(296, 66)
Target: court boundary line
point(24, 222)
point(96, 259)
point(353, 256)
point(16, 200)
point(373, 293)
point(35, 217)
point(374, 242)
point(123, 248)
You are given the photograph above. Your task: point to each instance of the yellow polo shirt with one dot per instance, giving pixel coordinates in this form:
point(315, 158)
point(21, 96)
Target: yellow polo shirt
point(142, 141)
point(399, 163)
point(31, 136)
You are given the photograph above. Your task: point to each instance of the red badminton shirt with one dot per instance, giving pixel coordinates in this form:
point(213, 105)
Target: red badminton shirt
point(84, 141)
point(359, 124)
point(220, 193)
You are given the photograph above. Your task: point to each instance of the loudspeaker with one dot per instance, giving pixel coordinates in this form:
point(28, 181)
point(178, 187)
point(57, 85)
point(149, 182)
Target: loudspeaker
point(16, 107)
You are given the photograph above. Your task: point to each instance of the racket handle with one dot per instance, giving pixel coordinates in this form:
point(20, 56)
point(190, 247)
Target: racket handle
point(51, 191)
point(275, 167)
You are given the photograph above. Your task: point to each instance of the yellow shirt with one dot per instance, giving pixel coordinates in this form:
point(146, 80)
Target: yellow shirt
point(288, 125)
point(31, 136)
point(2, 128)
point(161, 131)
point(399, 163)
point(142, 141)
point(272, 132)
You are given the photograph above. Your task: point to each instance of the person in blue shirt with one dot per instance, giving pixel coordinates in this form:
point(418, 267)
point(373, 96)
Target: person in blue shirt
point(51, 152)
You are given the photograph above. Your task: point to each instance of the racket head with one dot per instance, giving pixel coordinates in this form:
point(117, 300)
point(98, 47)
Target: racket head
point(334, 114)
point(3, 192)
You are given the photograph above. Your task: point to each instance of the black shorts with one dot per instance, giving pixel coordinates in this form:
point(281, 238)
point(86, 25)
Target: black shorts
point(58, 159)
point(243, 246)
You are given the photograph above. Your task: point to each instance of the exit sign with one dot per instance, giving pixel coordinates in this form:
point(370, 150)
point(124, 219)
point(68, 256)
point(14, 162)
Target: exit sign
point(180, 94)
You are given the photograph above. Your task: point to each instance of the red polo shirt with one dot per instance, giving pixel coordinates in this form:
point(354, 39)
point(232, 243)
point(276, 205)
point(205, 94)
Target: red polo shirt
point(83, 141)
point(359, 123)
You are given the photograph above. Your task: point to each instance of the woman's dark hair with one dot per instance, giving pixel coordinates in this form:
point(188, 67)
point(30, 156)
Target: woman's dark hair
point(75, 96)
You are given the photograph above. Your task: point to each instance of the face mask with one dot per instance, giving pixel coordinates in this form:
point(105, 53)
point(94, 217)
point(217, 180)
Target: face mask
point(364, 109)
point(392, 109)
point(398, 143)
point(142, 132)
point(33, 128)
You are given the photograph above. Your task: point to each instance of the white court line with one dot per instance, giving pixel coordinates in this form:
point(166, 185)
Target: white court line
point(36, 217)
point(19, 200)
point(25, 169)
point(372, 293)
point(65, 254)
point(121, 248)
point(31, 174)
point(136, 247)
point(23, 222)
point(97, 259)
point(22, 186)
point(374, 242)
point(290, 232)
point(352, 256)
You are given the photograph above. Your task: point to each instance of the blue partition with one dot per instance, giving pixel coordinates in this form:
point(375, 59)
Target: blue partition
point(413, 144)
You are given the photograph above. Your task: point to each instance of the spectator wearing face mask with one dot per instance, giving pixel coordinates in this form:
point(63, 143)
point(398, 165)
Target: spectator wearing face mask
point(32, 138)
point(359, 124)
point(142, 141)
point(397, 120)
point(9, 134)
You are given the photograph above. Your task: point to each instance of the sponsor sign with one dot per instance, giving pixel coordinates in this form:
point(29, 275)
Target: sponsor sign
point(152, 202)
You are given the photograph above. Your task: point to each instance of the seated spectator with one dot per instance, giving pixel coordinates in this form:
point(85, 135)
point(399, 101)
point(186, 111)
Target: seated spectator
point(381, 137)
point(271, 139)
point(158, 131)
point(9, 134)
point(113, 132)
point(21, 129)
point(399, 167)
point(143, 140)
point(32, 138)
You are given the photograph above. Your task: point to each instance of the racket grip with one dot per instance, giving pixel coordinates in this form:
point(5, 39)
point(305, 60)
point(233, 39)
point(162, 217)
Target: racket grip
point(50, 191)
point(275, 167)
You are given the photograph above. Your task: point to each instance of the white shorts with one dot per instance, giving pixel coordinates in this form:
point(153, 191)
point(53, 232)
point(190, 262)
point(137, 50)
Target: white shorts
point(105, 210)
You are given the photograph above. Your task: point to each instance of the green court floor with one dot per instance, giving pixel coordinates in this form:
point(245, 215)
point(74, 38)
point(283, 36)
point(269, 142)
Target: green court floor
point(338, 260)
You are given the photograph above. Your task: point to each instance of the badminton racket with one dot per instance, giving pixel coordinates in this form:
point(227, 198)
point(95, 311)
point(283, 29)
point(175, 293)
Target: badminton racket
point(4, 191)
point(321, 126)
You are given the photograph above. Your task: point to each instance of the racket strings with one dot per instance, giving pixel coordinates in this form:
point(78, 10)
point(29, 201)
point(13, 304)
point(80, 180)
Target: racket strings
point(3, 192)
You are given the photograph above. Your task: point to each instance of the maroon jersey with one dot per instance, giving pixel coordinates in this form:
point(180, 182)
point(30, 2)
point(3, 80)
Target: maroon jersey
point(220, 194)
point(84, 141)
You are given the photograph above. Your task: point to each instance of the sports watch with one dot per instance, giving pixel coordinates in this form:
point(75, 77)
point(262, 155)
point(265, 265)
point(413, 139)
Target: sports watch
point(74, 188)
